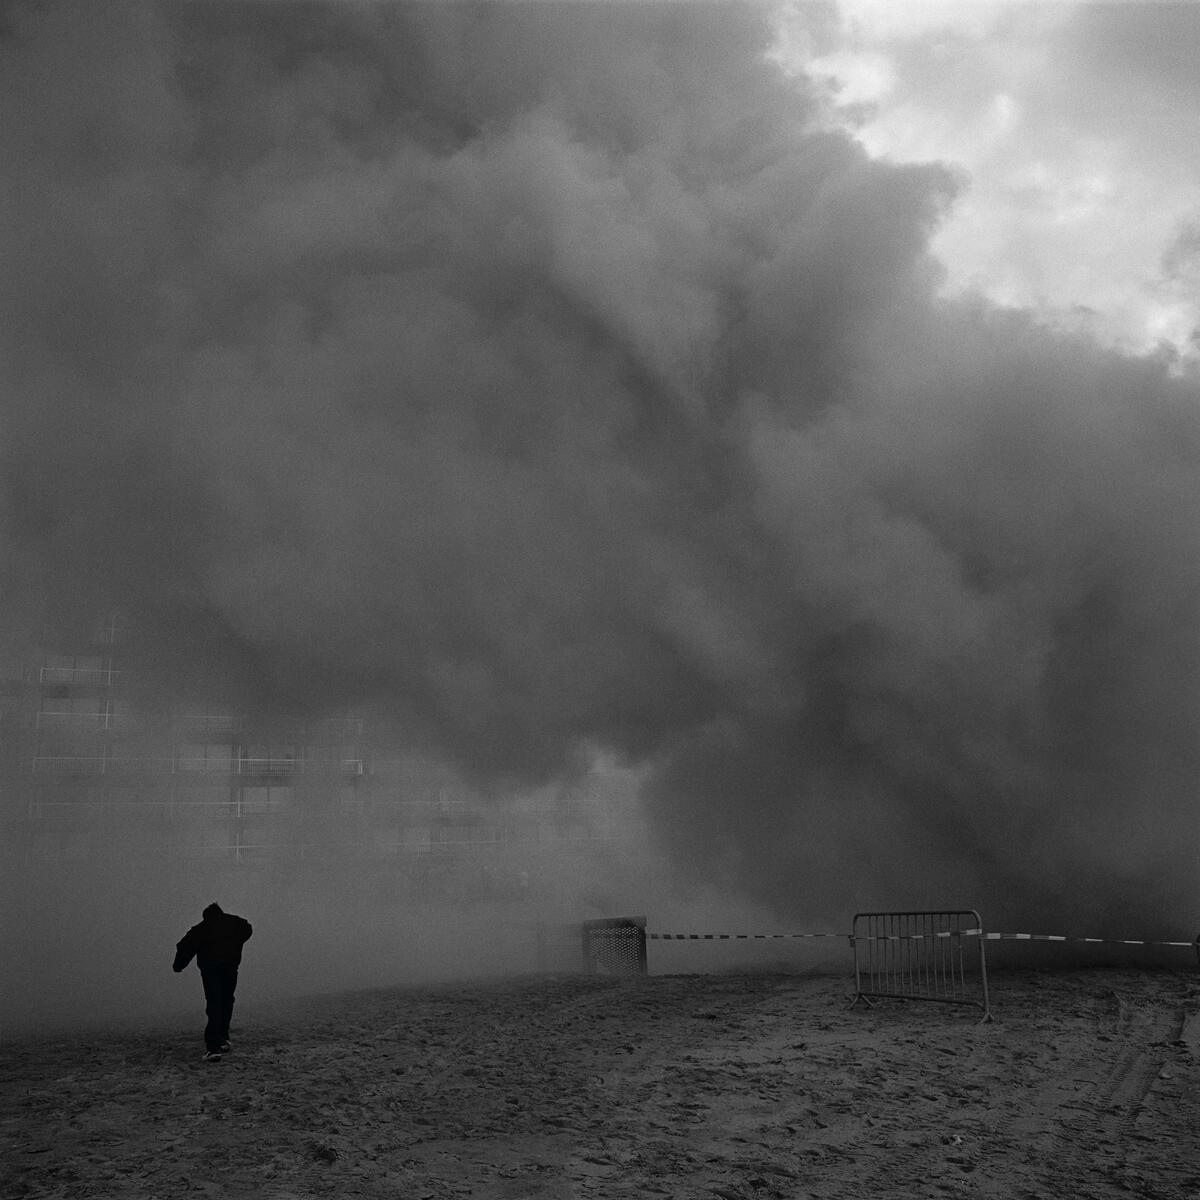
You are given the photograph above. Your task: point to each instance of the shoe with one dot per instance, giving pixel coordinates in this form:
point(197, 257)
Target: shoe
point(226, 1047)
point(212, 1056)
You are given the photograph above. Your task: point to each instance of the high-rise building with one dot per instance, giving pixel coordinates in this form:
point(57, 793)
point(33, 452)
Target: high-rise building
point(94, 762)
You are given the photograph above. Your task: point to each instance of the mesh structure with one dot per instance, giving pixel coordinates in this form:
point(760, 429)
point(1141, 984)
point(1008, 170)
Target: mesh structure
point(936, 955)
point(615, 946)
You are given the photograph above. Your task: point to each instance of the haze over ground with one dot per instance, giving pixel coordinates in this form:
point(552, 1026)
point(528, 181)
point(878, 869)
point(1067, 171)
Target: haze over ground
point(562, 379)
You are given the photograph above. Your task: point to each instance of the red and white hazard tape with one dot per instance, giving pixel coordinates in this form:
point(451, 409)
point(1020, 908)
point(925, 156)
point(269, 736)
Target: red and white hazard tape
point(1054, 937)
point(730, 937)
point(913, 937)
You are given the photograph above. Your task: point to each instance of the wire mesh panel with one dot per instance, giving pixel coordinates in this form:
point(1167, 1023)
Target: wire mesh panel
point(615, 946)
point(921, 956)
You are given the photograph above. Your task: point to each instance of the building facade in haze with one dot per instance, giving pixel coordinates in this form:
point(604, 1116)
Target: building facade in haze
point(94, 762)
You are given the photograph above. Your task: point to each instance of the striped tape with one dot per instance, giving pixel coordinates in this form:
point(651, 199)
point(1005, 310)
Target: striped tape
point(1054, 937)
point(732, 937)
point(913, 937)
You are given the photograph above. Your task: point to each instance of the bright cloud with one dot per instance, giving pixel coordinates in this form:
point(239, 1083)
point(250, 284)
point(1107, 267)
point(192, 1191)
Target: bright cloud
point(1070, 122)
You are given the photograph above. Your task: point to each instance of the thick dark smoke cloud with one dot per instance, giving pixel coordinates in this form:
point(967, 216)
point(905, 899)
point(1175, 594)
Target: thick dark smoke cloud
point(547, 376)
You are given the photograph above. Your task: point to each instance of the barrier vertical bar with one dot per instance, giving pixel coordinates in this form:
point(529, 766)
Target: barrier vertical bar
point(987, 1004)
point(928, 979)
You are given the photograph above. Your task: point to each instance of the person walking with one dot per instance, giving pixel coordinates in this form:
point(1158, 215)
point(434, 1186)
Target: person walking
point(216, 945)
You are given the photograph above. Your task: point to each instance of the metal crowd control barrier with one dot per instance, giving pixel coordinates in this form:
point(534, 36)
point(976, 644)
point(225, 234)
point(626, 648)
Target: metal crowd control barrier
point(615, 946)
point(920, 956)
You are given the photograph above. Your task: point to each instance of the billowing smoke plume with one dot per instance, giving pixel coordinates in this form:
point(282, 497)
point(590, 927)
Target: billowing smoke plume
point(548, 377)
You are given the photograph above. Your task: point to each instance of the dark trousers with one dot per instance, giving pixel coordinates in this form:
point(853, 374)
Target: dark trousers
point(219, 986)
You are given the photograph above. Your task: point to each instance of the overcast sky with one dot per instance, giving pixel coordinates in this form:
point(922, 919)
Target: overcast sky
point(1077, 126)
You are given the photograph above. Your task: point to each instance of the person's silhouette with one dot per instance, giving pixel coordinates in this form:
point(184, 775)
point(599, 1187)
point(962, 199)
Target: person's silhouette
point(216, 944)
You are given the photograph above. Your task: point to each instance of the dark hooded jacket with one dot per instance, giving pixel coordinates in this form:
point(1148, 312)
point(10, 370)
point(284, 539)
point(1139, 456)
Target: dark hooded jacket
point(216, 942)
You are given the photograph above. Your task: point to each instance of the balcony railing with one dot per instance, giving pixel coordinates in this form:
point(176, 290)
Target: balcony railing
point(344, 728)
point(221, 766)
point(107, 765)
point(64, 765)
point(207, 722)
point(84, 722)
point(96, 676)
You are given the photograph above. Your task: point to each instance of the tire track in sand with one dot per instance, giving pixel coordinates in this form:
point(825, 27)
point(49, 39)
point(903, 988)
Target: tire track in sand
point(1095, 1140)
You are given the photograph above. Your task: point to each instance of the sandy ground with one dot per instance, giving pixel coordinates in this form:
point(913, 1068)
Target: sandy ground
point(767, 1085)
